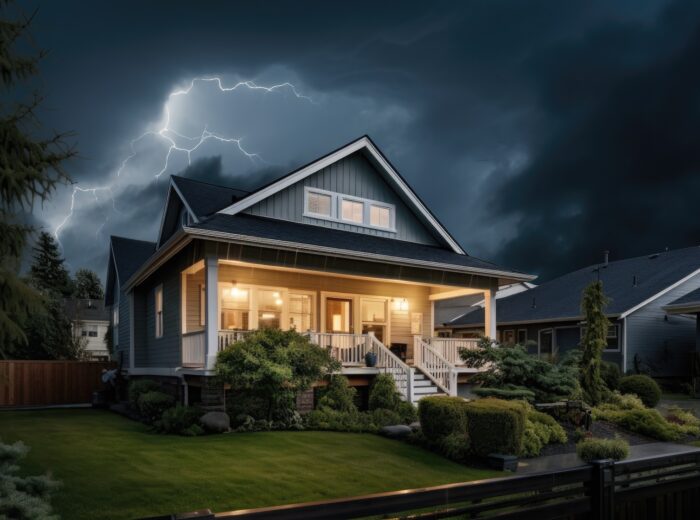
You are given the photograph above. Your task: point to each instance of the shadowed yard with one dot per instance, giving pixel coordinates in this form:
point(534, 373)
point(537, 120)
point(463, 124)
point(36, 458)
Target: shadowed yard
point(114, 468)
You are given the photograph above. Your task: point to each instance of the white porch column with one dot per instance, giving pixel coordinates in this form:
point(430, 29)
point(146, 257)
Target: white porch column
point(490, 313)
point(211, 318)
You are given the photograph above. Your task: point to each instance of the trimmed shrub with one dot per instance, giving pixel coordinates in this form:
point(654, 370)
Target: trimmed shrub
point(180, 420)
point(610, 372)
point(644, 387)
point(383, 393)
point(454, 446)
point(550, 430)
point(506, 393)
point(139, 387)
point(327, 419)
point(441, 416)
point(383, 417)
point(495, 426)
point(596, 449)
point(339, 395)
point(153, 404)
point(407, 412)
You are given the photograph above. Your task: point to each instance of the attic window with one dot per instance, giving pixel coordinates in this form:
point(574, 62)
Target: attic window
point(328, 205)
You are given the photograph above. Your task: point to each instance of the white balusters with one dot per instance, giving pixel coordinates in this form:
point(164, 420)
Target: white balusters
point(436, 367)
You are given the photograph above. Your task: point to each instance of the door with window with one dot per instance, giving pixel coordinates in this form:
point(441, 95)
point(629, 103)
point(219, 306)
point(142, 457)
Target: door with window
point(374, 317)
point(339, 316)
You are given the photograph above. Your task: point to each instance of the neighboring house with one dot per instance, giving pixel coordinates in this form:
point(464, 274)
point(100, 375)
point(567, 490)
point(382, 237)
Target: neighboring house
point(449, 310)
point(342, 249)
point(642, 337)
point(90, 322)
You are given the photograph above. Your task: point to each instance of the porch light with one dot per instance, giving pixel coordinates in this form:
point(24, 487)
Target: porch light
point(278, 301)
point(400, 304)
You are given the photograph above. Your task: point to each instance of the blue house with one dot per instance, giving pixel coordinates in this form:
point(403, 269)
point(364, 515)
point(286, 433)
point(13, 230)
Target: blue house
point(341, 249)
point(643, 336)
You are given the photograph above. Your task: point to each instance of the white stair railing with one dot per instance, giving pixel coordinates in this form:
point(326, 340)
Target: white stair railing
point(389, 363)
point(438, 369)
point(449, 348)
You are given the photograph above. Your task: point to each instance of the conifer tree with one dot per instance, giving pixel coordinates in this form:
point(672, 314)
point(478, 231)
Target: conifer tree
point(30, 169)
point(593, 302)
point(47, 273)
point(87, 285)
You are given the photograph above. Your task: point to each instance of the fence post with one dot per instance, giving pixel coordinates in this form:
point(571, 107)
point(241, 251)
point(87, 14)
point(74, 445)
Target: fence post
point(603, 489)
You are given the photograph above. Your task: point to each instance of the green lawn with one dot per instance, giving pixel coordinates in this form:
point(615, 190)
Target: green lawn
point(114, 468)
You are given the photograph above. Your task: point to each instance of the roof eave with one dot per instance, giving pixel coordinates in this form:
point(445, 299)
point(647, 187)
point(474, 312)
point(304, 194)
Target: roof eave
point(174, 244)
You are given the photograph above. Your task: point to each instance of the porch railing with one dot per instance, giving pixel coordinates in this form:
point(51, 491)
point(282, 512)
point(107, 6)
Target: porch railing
point(449, 348)
point(434, 365)
point(193, 348)
point(389, 363)
point(349, 349)
point(226, 337)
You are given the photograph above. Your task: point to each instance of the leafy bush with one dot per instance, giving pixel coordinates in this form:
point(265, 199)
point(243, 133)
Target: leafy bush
point(540, 429)
point(383, 393)
point(495, 426)
point(407, 412)
point(153, 404)
point(383, 417)
point(23, 497)
point(139, 387)
point(644, 387)
point(646, 421)
point(514, 369)
point(684, 420)
point(441, 416)
point(454, 446)
point(180, 420)
point(509, 392)
point(339, 395)
point(610, 372)
point(597, 449)
point(268, 368)
point(328, 419)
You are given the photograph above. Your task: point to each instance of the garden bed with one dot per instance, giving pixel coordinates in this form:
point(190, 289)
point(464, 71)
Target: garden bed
point(599, 430)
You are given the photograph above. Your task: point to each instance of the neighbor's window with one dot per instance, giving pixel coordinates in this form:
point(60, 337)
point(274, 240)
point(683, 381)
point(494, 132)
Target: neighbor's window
point(319, 203)
point(509, 337)
point(89, 331)
point(613, 340)
point(522, 336)
point(379, 216)
point(159, 311)
point(352, 211)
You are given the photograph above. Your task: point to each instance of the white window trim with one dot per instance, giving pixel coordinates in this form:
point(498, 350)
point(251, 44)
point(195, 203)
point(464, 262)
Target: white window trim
point(336, 209)
point(159, 322)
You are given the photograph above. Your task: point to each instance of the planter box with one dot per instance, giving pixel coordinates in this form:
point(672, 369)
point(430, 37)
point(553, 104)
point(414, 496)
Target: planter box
point(503, 462)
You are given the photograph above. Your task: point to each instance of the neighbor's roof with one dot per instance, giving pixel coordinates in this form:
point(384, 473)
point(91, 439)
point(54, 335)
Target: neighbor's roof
point(560, 298)
point(687, 303)
point(294, 234)
point(129, 255)
point(85, 310)
point(204, 198)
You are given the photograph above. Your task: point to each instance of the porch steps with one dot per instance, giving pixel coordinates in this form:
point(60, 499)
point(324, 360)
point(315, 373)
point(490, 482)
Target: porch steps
point(423, 387)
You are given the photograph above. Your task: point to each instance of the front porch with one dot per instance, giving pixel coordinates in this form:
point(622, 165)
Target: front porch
point(349, 315)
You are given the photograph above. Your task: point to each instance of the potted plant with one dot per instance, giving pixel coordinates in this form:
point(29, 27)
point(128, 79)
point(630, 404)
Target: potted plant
point(370, 359)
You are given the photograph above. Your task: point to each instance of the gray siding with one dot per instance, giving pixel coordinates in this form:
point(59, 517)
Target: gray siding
point(124, 339)
point(660, 342)
point(355, 176)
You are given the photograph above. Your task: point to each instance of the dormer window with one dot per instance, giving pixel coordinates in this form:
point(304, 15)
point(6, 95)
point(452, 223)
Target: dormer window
point(328, 205)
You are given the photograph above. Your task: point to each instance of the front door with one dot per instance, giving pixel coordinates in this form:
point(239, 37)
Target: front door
point(339, 317)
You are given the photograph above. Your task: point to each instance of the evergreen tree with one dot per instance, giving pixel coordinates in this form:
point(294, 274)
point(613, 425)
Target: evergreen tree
point(30, 169)
point(87, 285)
point(48, 274)
point(593, 303)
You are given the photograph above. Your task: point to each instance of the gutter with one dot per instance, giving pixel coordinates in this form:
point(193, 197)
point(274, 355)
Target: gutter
point(523, 322)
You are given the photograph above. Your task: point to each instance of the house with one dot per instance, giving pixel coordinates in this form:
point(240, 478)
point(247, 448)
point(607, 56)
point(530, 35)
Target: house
point(341, 249)
point(90, 323)
point(642, 335)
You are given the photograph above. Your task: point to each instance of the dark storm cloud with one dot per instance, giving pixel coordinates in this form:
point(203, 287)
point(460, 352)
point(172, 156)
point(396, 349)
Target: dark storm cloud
point(539, 132)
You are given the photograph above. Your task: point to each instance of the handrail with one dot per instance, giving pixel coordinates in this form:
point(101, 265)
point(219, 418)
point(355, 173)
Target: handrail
point(349, 349)
point(226, 337)
point(390, 363)
point(436, 367)
point(449, 347)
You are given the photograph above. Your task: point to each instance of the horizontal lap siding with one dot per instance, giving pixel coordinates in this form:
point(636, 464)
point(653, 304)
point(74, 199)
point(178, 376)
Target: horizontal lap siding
point(124, 334)
point(354, 176)
point(662, 345)
point(192, 307)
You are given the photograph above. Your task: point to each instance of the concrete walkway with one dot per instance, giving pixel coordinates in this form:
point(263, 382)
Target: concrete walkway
point(571, 460)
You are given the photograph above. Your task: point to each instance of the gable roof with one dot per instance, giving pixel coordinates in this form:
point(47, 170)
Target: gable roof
point(688, 303)
point(202, 198)
point(126, 256)
point(630, 284)
point(85, 310)
point(283, 233)
point(365, 145)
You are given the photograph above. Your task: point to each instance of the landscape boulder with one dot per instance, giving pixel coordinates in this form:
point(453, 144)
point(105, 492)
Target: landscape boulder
point(217, 422)
point(398, 431)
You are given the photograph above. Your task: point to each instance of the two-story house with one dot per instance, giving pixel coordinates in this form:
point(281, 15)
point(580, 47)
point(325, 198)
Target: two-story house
point(341, 249)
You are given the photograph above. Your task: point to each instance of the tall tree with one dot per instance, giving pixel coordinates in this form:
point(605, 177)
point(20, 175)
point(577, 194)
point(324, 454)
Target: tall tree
point(87, 285)
point(48, 272)
point(30, 170)
point(593, 303)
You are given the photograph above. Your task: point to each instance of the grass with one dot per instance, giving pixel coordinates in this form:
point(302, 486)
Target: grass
point(112, 467)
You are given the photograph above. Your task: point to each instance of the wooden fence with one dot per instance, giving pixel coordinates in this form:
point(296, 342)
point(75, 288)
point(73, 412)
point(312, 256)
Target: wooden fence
point(661, 486)
point(45, 383)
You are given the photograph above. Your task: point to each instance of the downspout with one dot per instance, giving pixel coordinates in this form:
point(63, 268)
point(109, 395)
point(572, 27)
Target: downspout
point(185, 392)
point(624, 345)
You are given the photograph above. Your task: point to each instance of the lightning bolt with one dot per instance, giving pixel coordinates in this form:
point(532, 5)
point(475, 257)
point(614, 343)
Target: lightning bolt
point(170, 137)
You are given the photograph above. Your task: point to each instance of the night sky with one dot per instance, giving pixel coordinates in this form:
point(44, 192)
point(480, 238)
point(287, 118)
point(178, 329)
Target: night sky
point(540, 133)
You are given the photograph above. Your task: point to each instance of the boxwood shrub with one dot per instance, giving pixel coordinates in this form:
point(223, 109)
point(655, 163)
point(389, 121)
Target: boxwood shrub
point(596, 449)
point(153, 404)
point(495, 426)
point(138, 387)
point(441, 416)
point(644, 387)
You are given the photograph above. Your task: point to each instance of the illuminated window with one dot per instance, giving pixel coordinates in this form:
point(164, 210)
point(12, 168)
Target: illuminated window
point(235, 308)
point(374, 317)
point(159, 311)
point(379, 216)
point(319, 203)
point(352, 211)
point(269, 309)
point(300, 306)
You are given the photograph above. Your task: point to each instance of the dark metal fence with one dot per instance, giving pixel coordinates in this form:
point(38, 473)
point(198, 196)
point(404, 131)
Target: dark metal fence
point(663, 486)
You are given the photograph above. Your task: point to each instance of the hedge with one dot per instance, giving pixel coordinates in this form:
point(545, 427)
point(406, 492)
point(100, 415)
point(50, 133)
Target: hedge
point(495, 426)
point(441, 416)
point(644, 387)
